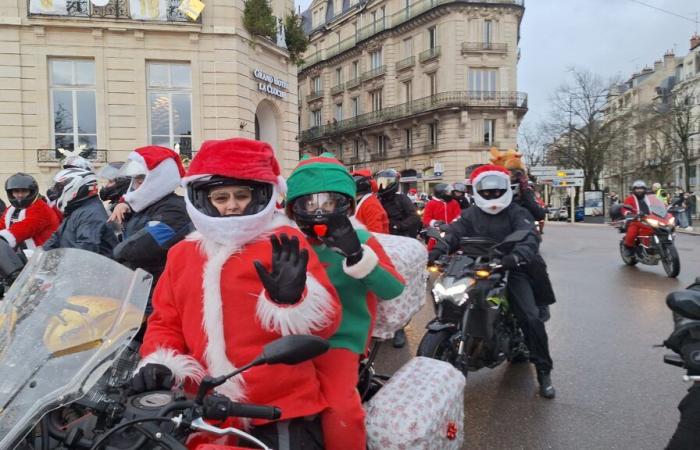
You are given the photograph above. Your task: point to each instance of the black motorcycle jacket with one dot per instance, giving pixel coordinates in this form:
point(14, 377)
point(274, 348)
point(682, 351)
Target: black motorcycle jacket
point(475, 223)
point(149, 234)
point(85, 227)
point(527, 200)
point(403, 218)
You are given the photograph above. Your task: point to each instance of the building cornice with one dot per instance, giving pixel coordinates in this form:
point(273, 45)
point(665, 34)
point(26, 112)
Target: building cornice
point(442, 7)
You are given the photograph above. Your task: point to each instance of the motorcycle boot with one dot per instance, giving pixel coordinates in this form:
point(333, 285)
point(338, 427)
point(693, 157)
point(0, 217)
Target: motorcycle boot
point(546, 388)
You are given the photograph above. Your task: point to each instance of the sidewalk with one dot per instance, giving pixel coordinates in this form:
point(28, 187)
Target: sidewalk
point(694, 232)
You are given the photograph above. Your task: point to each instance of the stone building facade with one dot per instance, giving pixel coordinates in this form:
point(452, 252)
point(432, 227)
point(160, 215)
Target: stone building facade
point(422, 86)
point(131, 73)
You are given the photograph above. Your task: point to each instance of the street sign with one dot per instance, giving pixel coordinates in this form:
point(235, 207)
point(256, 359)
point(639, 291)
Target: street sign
point(577, 173)
point(540, 171)
point(567, 182)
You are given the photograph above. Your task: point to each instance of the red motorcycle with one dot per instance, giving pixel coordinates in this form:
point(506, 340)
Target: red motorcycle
point(654, 243)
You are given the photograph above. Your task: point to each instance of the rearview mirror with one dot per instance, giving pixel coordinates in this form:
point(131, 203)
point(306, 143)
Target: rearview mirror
point(293, 349)
point(685, 303)
point(515, 237)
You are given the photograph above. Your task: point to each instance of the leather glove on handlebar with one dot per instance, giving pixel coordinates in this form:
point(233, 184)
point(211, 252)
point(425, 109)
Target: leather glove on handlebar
point(342, 238)
point(510, 262)
point(152, 377)
point(285, 283)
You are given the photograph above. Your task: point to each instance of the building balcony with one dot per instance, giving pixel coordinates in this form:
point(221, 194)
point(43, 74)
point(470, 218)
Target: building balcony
point(374, 73)
point(455, 99)
point(389, 22)
point(338, 89)
point(483, 145)
point(353, 83)
point(406, 63)
point(429, 54)
point(314, 95)
point(115, 10)
point(52, 156)
point(484, 47)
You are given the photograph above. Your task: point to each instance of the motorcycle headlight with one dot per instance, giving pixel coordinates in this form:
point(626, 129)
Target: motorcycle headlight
point(652, 223)
point(454, 293)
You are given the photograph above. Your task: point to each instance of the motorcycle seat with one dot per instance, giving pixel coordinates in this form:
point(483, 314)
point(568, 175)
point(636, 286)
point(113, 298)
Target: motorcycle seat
point(685, 302)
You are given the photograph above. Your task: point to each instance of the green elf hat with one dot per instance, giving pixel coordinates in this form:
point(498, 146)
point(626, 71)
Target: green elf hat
point(322, 173)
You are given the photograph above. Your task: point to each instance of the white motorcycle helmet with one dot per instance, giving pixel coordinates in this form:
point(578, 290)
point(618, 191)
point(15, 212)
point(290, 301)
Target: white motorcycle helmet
point(74, 186)
point(492, 190)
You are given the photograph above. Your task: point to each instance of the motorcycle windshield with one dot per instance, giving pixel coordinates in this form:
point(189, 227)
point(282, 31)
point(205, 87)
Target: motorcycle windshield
point(64, 320)
point(656, 206)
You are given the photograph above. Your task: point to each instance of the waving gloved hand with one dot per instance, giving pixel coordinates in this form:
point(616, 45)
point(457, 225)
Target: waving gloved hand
point(285, 284)
point(342, 238)
point(152, 377)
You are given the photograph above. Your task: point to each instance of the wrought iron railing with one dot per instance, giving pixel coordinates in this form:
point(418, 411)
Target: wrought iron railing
point(115, 9)
point(487, 99)
point(429, 54)
point(314, 95)
point(338, 88)
point(374, 73)
point(353, 83)
point(53, 155)
point(406, 63)
point(479, 47)
point(390, 22)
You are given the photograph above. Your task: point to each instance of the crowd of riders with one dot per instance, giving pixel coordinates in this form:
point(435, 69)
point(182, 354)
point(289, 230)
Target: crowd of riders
point(233, 245)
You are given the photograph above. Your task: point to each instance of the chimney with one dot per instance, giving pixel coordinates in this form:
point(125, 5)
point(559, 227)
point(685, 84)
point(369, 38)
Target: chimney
point(658, 64)
point(694, 41)
point(669, 59)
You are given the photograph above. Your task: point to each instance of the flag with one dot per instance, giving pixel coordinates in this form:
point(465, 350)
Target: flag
point(148, 9)
point(191, 8)
point(57, 7)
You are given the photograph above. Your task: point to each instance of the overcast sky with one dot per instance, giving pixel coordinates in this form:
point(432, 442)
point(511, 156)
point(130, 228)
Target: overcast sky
point(609, 37)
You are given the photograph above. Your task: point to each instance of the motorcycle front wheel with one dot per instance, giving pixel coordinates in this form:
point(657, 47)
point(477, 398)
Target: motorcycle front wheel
point(629, 260)
point(671, 261)
point(437, 345)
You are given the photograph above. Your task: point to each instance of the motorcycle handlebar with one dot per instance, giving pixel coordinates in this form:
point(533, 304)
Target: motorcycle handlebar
point(221, 408)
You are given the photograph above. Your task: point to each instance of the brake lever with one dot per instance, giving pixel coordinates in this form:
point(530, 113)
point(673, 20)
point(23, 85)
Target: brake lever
point(200, 425)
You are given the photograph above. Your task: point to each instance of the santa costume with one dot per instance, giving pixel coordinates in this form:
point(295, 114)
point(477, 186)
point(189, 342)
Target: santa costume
point(29, 222)
point(369, 210)
point(211, 311)
point(359, 286)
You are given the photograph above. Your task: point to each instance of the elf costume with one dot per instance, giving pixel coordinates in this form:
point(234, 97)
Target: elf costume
point(212, 312)
point(372, 275)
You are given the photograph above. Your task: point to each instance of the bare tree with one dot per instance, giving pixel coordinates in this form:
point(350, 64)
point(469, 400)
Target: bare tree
point(658, 152)
point(585, 135)
point(679, 125)
point(531, 143)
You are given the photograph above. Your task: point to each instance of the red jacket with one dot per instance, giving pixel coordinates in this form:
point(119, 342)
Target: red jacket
point(211, 314)
point(372, 215)
point(632, 202)
point(438, 210)
point(34, 225)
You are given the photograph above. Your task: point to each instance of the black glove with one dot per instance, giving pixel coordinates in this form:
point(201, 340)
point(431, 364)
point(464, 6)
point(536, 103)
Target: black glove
point(342, 238)
point(152, 377)
point(443, 226)
point(285, 284)
point(433, 256)
point(510, 262)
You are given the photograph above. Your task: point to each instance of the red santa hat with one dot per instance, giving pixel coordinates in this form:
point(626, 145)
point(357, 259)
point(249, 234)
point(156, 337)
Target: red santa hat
point(367, 174)
point(486, 170)
point(240, 158)
point(163, 170)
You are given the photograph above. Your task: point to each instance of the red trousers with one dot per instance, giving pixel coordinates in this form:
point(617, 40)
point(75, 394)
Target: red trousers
point(633, 229)
point(343, 421)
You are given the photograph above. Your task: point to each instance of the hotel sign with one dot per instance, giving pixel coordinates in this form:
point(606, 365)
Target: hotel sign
point(270, 85)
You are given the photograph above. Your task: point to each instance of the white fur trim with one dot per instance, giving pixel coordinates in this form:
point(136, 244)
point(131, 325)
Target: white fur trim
point(8, 216)
point(356, 224)
point(309, 315)
point(281, 184)
point(215, 353)
point(494, 206)
point(364, 266)
point(497, 173)
point(182, 366)
point(159, 182)
point(9, 237)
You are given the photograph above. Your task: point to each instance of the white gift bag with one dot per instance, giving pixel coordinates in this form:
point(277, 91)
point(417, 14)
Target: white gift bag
point(420, 408)
point(410, 258)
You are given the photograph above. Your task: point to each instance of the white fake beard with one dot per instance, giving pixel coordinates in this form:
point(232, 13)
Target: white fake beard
point(494, 206)
point(233, 231)
point(159, 182)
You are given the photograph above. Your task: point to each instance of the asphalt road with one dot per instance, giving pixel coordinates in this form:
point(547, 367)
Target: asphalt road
point(613, 389)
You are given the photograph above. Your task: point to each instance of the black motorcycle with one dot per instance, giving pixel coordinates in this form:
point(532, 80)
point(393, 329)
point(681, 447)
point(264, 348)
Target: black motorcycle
point(474, 325)
point(685, 343)
point(11, 264)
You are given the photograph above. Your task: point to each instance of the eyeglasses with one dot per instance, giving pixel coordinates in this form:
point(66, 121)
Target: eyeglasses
point(244, 194)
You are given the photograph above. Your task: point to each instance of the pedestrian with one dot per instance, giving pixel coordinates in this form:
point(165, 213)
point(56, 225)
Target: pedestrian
point(614, 199)
point(691, 201)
